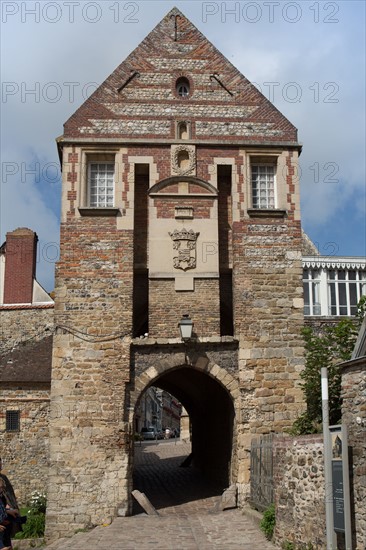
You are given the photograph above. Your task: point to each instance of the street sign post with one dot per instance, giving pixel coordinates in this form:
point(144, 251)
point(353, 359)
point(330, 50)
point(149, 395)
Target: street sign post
point(340, 482)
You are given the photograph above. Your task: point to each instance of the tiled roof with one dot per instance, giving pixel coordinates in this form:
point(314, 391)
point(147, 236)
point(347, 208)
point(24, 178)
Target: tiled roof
point(28, 362)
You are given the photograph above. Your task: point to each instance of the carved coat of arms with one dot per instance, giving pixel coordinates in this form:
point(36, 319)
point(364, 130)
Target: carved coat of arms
point(184, 242)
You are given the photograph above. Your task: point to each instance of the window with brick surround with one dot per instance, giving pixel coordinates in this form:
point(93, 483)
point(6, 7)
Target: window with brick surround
point(12, 423)
point(182, 87)
point(263, 185)
point(101, 184)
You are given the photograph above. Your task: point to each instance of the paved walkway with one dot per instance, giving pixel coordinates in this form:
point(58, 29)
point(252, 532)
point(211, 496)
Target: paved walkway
point(189, 517)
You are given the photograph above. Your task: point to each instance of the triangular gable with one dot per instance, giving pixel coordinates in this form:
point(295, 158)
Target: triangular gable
point(138, 99)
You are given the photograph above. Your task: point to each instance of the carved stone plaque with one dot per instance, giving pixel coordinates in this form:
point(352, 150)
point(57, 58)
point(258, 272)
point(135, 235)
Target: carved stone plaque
point(184, 242)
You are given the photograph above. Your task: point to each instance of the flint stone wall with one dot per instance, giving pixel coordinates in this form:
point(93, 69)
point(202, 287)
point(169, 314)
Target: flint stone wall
point(20, 325)
point(298, 475)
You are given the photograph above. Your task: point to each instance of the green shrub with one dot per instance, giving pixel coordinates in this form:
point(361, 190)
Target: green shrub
point(268, 522)
point(35, 524)
point(326, 348)
point(33, 528)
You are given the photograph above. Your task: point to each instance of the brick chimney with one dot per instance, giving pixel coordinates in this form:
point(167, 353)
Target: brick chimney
point(20, 266)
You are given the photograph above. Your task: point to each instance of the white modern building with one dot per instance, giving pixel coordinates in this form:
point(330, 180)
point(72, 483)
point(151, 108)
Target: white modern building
point(333, 285)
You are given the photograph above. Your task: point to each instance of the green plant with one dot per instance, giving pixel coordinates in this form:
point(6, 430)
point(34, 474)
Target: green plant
point(37, 503)
point(35, 524)
point(328, 349)
point(268, 521)
point(287, 545)
point(33, 528)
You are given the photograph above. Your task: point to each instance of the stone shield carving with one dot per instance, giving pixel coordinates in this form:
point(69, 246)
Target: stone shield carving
point(184, 242)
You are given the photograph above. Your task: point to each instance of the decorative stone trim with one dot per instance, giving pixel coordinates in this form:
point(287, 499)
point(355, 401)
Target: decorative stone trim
point(176, 151)
point(155, 189)
point(177, 125)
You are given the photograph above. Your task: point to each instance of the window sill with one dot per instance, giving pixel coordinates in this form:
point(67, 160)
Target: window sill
point(266, 213)
point(95, 211)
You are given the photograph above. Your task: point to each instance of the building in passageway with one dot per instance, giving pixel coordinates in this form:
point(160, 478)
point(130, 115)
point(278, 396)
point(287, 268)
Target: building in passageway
point(179, 196)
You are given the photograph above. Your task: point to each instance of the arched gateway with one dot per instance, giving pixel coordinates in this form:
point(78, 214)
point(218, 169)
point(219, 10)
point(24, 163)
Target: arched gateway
point(174, 201)
point(210, 395)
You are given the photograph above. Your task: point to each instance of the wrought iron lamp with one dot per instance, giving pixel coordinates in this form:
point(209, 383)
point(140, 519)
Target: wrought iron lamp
point(186, 327)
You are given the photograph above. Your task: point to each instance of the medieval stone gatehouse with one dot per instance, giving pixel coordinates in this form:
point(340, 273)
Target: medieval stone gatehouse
point(180, 196)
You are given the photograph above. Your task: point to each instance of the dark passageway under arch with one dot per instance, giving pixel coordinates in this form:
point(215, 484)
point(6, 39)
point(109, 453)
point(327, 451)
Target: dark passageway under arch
point(211, 413)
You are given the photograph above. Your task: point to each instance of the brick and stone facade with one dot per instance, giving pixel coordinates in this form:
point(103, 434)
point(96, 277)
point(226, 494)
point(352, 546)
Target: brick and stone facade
point(174, 231)
point(26, 321)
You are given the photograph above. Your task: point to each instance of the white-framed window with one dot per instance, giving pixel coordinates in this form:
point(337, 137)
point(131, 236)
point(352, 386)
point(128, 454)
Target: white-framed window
point(333, 286)
point(311, 282)
point(345, 288)
point(263, 179)
point(101, 184)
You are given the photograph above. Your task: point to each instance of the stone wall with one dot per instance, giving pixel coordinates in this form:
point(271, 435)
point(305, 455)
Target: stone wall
point(354, 416)
point(299, 491)
point(167, 307)
point(88, 436)
point(19, 325)
point(26, 453)
point(268, 315)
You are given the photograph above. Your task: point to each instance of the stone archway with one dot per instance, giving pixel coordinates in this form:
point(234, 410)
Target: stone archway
point(210, 394)
point(201, 363)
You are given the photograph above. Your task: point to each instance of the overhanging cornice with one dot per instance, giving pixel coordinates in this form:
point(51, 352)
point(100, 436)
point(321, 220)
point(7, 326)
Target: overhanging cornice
point(62, 141)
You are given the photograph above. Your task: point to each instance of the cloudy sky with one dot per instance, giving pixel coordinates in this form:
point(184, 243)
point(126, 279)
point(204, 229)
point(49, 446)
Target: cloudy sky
point(308, 58)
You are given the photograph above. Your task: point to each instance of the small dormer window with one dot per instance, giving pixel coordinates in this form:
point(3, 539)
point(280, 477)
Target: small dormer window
point(182, 87)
